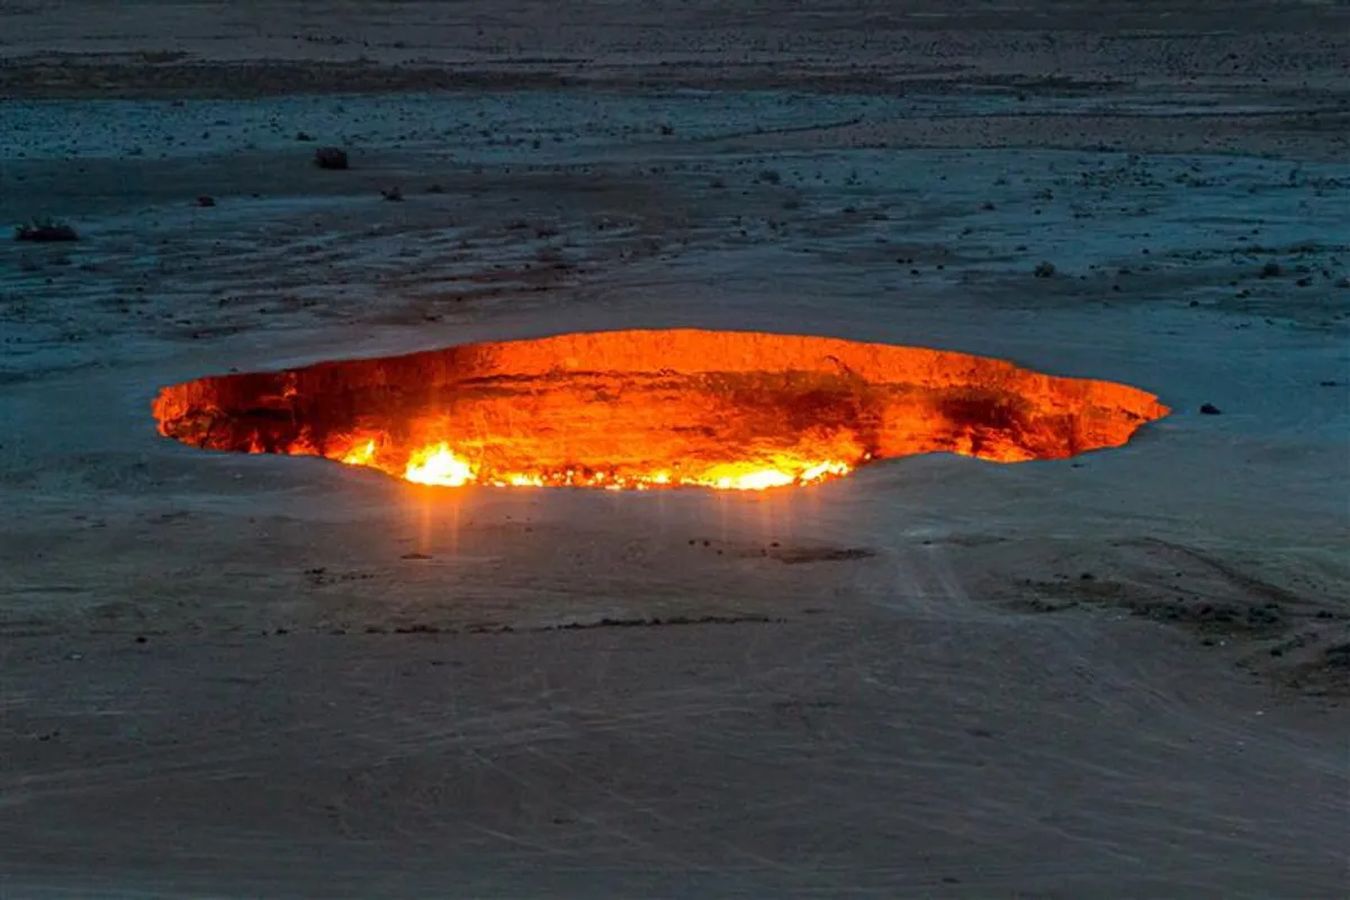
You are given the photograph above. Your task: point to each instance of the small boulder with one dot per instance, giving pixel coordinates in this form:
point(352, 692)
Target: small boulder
point(1044, 269)
point(205, 200)
point(330, 158)
point(1209, 409)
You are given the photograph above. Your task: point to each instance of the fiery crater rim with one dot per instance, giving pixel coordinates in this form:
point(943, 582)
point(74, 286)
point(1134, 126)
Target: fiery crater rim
point(653, 408)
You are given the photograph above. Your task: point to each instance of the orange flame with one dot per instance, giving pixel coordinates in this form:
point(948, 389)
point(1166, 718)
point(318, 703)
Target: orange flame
point(636, 410)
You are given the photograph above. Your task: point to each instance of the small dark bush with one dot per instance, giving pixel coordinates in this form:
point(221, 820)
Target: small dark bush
point(45, 231)
point(330, 158)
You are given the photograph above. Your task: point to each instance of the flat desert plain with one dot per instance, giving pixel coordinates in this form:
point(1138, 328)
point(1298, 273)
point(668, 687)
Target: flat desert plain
point(1124, 674)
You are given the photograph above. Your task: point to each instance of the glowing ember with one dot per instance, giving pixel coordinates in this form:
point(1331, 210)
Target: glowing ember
point(634, 410)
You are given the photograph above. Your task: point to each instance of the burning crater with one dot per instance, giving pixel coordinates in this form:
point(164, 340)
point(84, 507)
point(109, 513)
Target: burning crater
point(646, 409)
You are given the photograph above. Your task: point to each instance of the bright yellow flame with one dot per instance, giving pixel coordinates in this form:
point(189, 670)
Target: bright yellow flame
point(437, 464)
point(824, 470)
point(360, 455)
point(736, 477)
point(755, 477)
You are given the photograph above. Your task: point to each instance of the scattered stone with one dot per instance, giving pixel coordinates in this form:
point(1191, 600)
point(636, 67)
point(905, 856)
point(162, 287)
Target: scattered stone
point(330, 158)
point(435, 189)
point(1044, 269)
point(770, 176)
point(45, 231)
point(1337, 656)
point(797, 555)
point(1258, 616)
point(1271, 270)
point(667, 130)
point(302, 136)
point(393, 194)
point(205, 200)
point(1209, 409)
point(1304, 281)
point(414, 556)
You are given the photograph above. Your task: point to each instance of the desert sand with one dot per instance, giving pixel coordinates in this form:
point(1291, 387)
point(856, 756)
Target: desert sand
point(1124, 674)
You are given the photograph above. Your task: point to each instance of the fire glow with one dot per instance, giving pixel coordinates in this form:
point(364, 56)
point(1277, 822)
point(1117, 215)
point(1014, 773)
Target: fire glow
point(636, 410)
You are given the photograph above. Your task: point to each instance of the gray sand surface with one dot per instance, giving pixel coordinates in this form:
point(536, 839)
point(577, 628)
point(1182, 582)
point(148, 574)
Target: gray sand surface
point(1124, 674)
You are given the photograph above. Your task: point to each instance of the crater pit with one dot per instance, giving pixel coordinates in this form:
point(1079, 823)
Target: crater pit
point(648, 409)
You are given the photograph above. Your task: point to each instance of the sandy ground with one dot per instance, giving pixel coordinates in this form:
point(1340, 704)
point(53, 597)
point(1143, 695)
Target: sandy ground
point(1121, 675)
